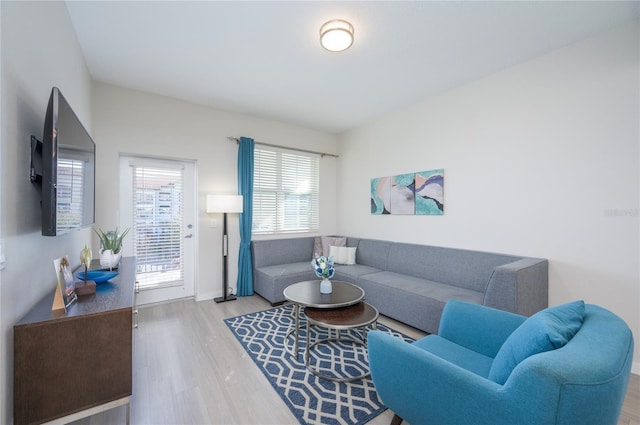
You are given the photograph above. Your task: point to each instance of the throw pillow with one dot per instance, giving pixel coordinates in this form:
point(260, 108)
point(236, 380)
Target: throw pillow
point(546, 330)
point(351, 255)
point(327, 241)
point(317, 247)
point(343, 254)
point(338, 253)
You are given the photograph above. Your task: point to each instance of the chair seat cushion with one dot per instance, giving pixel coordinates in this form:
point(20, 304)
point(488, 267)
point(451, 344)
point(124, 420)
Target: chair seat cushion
point(546, 330)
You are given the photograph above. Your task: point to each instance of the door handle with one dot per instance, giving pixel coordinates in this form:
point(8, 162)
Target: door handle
point(188, 236)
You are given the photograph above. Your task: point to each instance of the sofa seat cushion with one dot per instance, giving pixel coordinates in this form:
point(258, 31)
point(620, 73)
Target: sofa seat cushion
point(423, 287)
point(353, 271)
point(547, 330)
point(288, 272)
point(456, 354)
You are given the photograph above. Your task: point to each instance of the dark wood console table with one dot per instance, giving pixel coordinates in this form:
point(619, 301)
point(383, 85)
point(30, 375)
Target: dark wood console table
point(75, 364)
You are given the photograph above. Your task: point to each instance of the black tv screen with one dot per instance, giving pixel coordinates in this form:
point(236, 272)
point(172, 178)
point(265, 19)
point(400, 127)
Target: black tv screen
point(68, 170)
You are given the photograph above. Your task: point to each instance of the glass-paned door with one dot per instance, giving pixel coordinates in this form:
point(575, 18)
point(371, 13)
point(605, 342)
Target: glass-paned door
point(157, 203)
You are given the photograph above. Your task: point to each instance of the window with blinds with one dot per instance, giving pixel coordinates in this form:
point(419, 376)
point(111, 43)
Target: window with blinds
point(69, 194)
point(285, 192)
point(157, 225)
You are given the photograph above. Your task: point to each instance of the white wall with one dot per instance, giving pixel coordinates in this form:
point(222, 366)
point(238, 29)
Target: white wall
point(39, 50)
point(132, 122)
point(540, 160)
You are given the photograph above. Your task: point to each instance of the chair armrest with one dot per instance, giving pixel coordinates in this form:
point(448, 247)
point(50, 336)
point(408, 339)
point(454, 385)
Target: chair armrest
point(477, 327)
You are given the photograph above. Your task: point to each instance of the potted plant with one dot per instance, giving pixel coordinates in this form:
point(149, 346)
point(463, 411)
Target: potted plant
point(110, 247)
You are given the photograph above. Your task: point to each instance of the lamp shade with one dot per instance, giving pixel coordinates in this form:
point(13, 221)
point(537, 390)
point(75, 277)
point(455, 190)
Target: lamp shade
point(224, 203)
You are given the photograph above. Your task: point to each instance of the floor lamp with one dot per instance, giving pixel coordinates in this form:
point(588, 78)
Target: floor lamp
point(224, 204)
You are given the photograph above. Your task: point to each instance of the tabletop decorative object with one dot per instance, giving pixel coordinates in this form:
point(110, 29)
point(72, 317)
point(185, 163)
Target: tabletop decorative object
point(85, 257)
point(110, 247)
point(65, 294)
point(323, 268)
point(85, 286)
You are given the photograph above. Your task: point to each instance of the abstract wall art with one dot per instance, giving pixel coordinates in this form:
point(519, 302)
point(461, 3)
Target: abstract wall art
point(430, 192)
point(403, 194)
point(419, 193)
point(381, 195)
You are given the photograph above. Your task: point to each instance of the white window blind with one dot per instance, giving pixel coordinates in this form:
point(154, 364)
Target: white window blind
point(70, 191)
point(285, 192)
point(157, 225)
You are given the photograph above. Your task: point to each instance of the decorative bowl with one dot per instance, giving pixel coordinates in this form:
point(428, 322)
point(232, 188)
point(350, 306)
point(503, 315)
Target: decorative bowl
point(98, 276)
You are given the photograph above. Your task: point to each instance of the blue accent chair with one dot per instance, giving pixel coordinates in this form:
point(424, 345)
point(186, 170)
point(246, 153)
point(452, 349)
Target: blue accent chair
point(445, 378)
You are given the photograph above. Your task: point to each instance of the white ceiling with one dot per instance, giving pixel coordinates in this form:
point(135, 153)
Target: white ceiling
point(263, 58)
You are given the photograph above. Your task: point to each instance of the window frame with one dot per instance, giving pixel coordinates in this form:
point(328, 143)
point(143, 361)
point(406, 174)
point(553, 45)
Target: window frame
point(276, 172)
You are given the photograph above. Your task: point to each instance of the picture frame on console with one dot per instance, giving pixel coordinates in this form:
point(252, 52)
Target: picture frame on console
point(66, 284)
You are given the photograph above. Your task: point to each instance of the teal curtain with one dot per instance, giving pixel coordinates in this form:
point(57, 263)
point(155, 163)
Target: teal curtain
point(245, 188)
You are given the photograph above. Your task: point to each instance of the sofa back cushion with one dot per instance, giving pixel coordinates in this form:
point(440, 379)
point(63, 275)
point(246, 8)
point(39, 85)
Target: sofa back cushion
point(373, 253)
point(282, 251)
point(458, 267)
point(547, 330)
point(329, 241)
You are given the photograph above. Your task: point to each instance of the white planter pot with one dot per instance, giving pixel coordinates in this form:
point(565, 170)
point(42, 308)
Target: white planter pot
point(109, 260)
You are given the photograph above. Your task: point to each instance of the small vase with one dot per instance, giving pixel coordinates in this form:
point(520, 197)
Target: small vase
point(325, 286)
point(109, 260)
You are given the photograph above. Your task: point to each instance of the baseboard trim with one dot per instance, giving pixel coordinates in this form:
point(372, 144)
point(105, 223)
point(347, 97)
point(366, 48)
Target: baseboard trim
point(205, 297)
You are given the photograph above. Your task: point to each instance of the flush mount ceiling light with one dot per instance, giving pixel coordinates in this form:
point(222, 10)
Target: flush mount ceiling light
point(336, 35)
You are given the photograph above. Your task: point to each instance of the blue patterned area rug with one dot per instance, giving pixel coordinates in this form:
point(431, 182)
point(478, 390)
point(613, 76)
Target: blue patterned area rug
point(312, 400)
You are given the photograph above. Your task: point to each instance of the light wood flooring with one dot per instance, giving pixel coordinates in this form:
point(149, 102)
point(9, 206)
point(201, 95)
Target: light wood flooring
point(189, 369)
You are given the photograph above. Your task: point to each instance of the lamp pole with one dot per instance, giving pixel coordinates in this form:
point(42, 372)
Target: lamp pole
point(224, 204)
point(225, 264)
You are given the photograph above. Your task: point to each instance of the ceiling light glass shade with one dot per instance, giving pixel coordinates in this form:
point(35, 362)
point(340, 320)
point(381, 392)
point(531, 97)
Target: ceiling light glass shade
point(336, 35)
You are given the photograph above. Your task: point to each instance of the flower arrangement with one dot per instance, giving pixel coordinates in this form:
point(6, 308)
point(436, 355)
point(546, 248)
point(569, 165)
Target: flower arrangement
point(323, 267)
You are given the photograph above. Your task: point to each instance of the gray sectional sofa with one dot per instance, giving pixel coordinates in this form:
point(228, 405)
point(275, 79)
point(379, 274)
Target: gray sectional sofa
point(410, 282)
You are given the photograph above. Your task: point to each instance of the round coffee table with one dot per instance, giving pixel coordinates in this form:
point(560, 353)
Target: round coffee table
point(307, 294)
point(355, 317)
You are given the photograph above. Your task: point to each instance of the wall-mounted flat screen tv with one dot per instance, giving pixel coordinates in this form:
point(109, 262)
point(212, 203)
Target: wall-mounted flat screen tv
point(67, 174)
